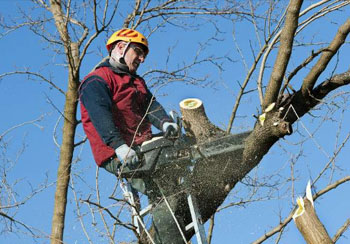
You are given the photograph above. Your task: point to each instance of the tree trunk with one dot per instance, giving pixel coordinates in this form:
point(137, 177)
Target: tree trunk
point(64, 168)
point(71, 50)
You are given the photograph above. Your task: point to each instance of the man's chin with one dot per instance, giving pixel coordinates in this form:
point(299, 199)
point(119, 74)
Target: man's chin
point(134, 68)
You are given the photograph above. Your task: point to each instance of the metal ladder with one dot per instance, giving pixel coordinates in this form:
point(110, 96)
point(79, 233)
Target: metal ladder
point(197, 223)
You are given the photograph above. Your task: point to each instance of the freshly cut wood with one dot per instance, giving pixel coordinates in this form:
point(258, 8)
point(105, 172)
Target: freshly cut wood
point(308, 223)
point(210, 176)
point(196, 122)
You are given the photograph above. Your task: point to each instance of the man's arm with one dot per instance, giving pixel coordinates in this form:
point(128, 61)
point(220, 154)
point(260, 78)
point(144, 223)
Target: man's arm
point(96, 97)
point(156, 113)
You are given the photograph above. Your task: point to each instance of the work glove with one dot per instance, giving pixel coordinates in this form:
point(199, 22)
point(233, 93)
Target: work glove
point(127, 156)
point(170, 129)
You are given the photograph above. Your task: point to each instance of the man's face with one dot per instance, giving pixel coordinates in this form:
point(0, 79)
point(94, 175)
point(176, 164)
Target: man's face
point(134, 56)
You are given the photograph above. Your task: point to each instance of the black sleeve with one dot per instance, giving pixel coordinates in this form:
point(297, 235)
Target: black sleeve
point(156, 113)
point(96, 97)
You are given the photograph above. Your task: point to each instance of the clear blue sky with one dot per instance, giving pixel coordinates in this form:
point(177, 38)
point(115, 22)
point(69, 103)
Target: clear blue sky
point(24, 100)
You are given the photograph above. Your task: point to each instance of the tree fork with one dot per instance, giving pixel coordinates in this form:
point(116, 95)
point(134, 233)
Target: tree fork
point(214, 178)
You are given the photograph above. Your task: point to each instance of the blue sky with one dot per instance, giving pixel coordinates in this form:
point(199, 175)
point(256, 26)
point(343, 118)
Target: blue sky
point(24, 100)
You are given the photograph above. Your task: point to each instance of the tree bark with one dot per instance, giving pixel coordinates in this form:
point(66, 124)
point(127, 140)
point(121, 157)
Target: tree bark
point(66, 155)
point(214, 178)
point(284, 52)
point(64, 168)
point(310, 225)
point(70, 122)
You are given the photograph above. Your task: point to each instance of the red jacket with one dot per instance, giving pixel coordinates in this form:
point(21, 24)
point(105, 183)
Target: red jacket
point(128, 101)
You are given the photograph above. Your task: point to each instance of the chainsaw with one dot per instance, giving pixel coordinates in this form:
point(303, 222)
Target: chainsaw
point(166, 152)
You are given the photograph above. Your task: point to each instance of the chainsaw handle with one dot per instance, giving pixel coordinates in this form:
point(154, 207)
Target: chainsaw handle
point(170, 132)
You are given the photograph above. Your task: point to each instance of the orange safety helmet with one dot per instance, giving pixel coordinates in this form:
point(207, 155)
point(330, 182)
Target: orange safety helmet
point(127, 35)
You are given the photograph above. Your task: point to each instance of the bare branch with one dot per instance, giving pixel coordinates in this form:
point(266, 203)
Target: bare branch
point(297, 69)
point(17, 222)
point(34, 74)
point(33, 122)
point(211, 229)
point(303, 25)
point(284, 53)
point(132, 16)
point(341, 231)
point(80, 217)
point(117, 220)
point(104, 25)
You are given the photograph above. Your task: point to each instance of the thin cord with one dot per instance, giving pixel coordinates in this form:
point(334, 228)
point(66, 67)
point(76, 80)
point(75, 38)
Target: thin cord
point(173, 215)
point(307, 131)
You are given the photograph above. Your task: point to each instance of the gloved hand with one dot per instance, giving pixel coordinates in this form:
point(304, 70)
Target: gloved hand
point(127, 156)
point(170, 128)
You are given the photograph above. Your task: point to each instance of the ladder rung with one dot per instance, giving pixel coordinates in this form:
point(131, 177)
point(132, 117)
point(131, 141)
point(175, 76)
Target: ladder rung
point(146, 210)
point(189, 226)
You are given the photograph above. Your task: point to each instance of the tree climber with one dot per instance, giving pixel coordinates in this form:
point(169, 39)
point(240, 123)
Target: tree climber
point(117, 112)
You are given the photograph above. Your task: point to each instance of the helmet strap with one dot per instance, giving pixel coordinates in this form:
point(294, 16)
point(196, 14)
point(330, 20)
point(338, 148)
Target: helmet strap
point(125, 49)
point(116, 56)
point(117, 59)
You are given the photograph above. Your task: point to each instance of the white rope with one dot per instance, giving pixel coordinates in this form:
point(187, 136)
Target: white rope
point(145, 229)
point(127, 196)
point(126, 193)
point(307, 131)
point(173, 215)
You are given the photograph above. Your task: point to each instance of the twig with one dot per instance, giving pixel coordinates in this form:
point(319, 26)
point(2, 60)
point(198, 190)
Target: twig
point(33, 74)
point(119, 222)
point(211, 228)
point(341, 231)
point(22, 124)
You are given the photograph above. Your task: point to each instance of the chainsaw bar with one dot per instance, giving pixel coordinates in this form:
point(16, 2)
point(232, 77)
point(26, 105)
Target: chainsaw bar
point(161, 154)
point(224, 145)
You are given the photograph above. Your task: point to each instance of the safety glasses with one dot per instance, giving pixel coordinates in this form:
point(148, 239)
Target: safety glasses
point(139, 51)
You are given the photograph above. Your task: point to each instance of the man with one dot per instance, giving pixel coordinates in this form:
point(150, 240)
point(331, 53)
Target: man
point(116, 106)
point(117, 112)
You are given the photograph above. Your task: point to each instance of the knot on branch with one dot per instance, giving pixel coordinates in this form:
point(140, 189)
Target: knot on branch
point(285, 128)
point(272, 121)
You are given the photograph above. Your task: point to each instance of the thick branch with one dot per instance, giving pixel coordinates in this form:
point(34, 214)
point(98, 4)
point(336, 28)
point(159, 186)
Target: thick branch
point(71, 49)
point(310, 225)
point(284, 52)
point(302, 105)
point(215, 177)
point(55, 8)
point(326, 57)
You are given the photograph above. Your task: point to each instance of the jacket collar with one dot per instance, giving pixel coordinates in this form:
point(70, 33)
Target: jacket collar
point(117, 67)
